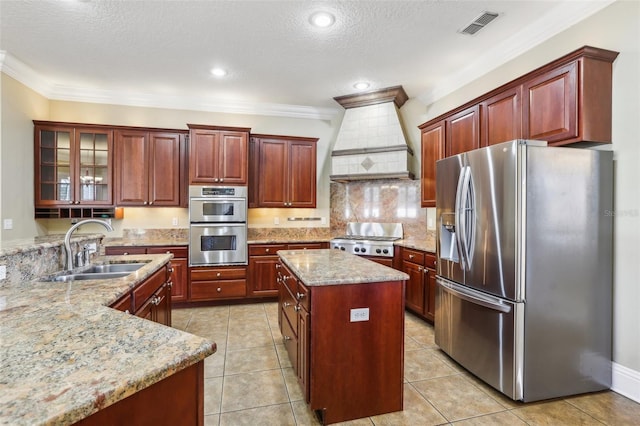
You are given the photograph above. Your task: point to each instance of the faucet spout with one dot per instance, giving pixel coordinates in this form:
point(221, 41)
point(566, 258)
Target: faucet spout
point(67, 238)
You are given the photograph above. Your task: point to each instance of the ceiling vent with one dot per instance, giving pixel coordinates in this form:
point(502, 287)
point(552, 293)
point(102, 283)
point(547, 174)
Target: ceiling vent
point(479, 23)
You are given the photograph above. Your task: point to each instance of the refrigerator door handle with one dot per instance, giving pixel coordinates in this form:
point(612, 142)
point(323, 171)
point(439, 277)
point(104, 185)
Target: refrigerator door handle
point(466, 214)
point(483, 300)
point(459, 218)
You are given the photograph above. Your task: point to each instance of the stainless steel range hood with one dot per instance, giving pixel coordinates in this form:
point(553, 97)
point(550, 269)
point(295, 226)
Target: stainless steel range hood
point(371, 143)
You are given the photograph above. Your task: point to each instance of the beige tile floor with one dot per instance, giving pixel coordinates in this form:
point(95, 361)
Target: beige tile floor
point(249, 381)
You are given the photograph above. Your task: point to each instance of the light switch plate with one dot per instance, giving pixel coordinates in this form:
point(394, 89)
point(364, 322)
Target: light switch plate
point(3, 272)
point(359, 314)
point(8, 224)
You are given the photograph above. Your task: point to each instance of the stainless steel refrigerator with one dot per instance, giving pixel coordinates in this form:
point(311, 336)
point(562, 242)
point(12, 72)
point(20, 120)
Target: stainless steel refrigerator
point(524, 274)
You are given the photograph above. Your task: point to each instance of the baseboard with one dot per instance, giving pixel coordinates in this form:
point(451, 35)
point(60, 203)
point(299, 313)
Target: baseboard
point(626, 381)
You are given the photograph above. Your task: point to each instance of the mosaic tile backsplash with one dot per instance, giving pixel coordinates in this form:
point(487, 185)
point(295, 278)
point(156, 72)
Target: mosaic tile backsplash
point(387, 200)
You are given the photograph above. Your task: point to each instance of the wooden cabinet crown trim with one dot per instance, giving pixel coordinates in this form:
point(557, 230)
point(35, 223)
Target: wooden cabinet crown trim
point(583, 52)
point(108, 126)
point(280, 137)
point(223, 128)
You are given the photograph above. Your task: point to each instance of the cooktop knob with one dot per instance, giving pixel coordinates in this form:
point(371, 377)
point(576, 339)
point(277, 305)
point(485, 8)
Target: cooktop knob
point(385, 251)
point(342, 248)
point(378, 251)
point(364, 250)
point(357, 249)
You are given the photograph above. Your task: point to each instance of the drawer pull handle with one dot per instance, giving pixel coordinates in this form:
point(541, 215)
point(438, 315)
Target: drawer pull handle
point(171, 270)
point(127, 311)
point(169, 284)
point(299, 296)
point(287, 338)
point(126, 253)
point(296, 308)
point(218, 289)
point(410, 256)
point(218, 274)
point(286, 304)
point(266, 250)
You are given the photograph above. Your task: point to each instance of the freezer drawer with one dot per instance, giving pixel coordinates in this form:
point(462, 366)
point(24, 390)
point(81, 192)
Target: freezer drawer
point(482, 333)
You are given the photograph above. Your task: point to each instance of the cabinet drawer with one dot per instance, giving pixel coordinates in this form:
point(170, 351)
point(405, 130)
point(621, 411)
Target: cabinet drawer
point(305, 246)
point(304, 297)
point(178, 252)
point(288, 307)
point(430, 260)
point(265, 249)
point(208, 290)
point(209, 274)
point(414, 256)
point(119, 251)
point(290, 342)
point(145, 290)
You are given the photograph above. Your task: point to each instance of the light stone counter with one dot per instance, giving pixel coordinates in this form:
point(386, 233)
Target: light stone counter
point(333, 267)
point(65, 355)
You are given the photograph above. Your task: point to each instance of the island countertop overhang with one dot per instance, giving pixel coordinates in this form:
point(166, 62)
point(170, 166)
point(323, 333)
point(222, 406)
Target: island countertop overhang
point(333, 267)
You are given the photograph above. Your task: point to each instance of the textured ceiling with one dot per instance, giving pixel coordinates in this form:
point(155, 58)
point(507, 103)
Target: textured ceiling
point(161, 52)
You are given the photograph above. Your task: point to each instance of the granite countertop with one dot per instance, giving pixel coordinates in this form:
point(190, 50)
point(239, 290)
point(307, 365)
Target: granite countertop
point(424, 244)
point(334, 267)
point(64, 354)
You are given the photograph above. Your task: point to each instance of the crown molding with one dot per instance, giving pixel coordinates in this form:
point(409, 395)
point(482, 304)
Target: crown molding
point(35, 81)
point(567, 14)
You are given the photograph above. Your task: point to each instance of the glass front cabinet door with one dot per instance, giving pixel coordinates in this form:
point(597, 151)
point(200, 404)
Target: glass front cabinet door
point(73, 165)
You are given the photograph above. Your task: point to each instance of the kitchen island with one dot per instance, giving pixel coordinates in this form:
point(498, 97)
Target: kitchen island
point(66, 356)
point(342, 321)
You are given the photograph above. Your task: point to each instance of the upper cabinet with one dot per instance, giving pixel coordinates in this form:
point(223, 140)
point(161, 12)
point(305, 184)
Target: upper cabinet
point(564, 102)
point(286, 171)
point(72, 165)
point(218, 155)
point(150, 167)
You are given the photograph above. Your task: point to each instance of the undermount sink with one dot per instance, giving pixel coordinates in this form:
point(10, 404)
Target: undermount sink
point(81, 276)
point(113, 267)
point(99, 272)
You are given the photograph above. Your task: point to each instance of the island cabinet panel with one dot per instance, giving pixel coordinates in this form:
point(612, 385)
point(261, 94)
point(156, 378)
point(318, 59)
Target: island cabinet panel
point(348, 367)
point(217, 283)
point(176, 400)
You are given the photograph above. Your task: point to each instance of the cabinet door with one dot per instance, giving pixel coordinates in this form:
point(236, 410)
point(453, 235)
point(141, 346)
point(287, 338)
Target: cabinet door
point(254, 172)
point(302, 175)
point(164, 169)
point(502, 117)
point(233, 157)
point(162, 306)
point(462, 131)
point(54, 173)
point(414, 287)
point(273, 173)
point(180, 274)
point(550, 105)
point(430, 294)
point(432, 150)
point(262, 276)
point(132, 168)
point(203, 156)
point(95, 149)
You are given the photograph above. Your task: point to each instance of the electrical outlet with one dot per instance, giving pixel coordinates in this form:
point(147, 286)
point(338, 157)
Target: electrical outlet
point(174, 221)
point(323, 220)
point(8, 224)
point(359, 314)
point(430, 223)
point(276, 221)
point(3, 272)
point(93, 247)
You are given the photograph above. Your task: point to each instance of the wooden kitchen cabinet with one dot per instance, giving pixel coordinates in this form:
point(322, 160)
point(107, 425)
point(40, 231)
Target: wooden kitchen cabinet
point(286, 171)
point(263, 264)
point(73, 164)
point(462, 131)
point(150, 168)
point(213, 283)
point(179, 265)
point(420, 288)
point(151, 299)
point(501, 117)
point(316, 327)
point(432, 150)
point(218, 155)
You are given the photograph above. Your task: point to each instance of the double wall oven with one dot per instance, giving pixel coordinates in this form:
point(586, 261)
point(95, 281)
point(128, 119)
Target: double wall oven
point(218, 225)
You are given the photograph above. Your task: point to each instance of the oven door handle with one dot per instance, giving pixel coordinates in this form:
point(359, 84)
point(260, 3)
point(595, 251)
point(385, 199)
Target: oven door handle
point(216, 224)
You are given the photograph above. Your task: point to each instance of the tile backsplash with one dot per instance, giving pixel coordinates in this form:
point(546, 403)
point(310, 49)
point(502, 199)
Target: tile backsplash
point(386, 200)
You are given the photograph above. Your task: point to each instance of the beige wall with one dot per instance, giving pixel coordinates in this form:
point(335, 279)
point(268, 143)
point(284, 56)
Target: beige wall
point(20, 105)
point(615, 28)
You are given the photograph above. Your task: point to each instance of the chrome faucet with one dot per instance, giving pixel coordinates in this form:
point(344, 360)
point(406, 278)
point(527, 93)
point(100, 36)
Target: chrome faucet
point(67, 238)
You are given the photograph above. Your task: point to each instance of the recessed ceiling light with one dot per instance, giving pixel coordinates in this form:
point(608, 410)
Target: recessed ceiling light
point(322, 19)
point(361, 85)
point(219, 72)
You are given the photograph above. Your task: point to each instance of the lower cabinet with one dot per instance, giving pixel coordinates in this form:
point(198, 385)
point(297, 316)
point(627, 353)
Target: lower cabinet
point(336, 358)
point(210, 283)
point(421, 286)
point(263, 260)
point(179, 265)
point(151, 299)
